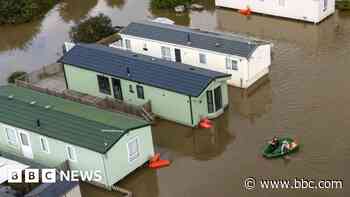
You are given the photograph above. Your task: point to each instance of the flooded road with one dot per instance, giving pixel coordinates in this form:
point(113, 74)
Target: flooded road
point(305, 96)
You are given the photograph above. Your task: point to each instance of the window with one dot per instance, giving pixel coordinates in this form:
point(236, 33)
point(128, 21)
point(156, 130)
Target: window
point(103, 84)
point(281, 3)
point(11, 135)
point(234, 65)
point(210, 101)
point(44, 144)
point(131, 89)
point(218, 98)
point(127, 44)
point(24, 139)
point(140, 93)
point(133, 149)
point(231, 64)
point(202, 58)
point(71, 153)
point(166, 53)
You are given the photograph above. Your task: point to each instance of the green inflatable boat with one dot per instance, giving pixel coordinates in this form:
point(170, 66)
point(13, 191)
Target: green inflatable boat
point(290, 146)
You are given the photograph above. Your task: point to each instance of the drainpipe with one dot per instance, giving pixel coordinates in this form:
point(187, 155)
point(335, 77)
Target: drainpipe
point(105, 169)
point(191, 109)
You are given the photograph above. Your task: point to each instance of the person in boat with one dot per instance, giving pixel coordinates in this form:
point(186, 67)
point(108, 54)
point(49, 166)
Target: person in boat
point(285, 147)
point(274, 143)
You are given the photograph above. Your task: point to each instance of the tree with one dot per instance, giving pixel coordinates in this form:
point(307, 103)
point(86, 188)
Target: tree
point(21, 11)
point(92, 29)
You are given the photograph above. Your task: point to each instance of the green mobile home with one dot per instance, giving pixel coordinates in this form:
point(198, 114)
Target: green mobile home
point(177, 92)
point(50, 130)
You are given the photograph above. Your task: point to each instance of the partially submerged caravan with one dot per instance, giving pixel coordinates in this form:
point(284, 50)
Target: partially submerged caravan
point(246, 59)
point(307, 10)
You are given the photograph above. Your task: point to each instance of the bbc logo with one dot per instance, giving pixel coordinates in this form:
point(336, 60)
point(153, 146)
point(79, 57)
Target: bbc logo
point(32, 176)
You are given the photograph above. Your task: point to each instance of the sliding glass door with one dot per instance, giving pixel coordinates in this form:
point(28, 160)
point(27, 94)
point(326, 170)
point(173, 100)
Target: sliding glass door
point(214, 100)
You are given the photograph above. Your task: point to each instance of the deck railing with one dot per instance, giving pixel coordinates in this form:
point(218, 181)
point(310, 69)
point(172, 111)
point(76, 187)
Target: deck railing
point(44, 72)
point(143, 111)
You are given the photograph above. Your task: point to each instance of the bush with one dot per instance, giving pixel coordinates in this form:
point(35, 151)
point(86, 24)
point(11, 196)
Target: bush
point(168, 4)
point(15, 75)
point(92, 29)
point(21, 11)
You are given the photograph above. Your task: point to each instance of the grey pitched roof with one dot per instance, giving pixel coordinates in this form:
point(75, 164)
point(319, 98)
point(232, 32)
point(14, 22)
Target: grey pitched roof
point(213, 41)
point(176, 77)
point(60, 124)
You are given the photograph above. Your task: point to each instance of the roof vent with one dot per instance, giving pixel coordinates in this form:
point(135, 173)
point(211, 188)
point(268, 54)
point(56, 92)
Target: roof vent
point(32, 102)
point(38, 123)
point(217, 44)
point(192, 68)
point(10, 97)
point(153, 59)
point(48, 107)
point(189, 38)
point(128, 71)
point(106, 144)
point(134, 55)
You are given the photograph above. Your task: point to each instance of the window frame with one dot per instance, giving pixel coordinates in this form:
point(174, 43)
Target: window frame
point(131, 89)
point(230, 65)
point(75, 159)
point(127, 44)
point(218, 98)
point(45, 140)
point(140, 92)
point(6, 128)
point(234, 66)
point(132, 158)
point(164, 51)
point(201, 55)
point(211, 105)
point(100, 88)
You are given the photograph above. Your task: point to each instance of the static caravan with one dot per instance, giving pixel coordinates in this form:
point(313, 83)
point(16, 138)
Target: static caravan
point(307, 10)
point(176, 92)
point(245, 59)
point(49, 131)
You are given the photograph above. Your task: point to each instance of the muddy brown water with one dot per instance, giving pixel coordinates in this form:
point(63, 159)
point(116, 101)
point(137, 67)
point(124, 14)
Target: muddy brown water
point(305, 96)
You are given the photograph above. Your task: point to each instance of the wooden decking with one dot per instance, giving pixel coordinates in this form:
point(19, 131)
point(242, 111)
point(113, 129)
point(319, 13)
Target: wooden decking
point(50, 80)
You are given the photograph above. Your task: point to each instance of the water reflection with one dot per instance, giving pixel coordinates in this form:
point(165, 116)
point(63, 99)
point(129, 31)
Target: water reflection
point(115, 3)
point(253, 103)
point(274, 28)
point(75, 10)
point(201, 144)
point(142, 182)
point(209, 5)
point(18, 36)
point(179, 18)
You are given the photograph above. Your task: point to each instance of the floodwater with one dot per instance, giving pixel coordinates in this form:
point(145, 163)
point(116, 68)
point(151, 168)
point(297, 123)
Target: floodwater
point(305, 96)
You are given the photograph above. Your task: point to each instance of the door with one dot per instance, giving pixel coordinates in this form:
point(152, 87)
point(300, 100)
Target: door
point(218, 98)
point(177, 55)
point(117, 89)
point(26, 145)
